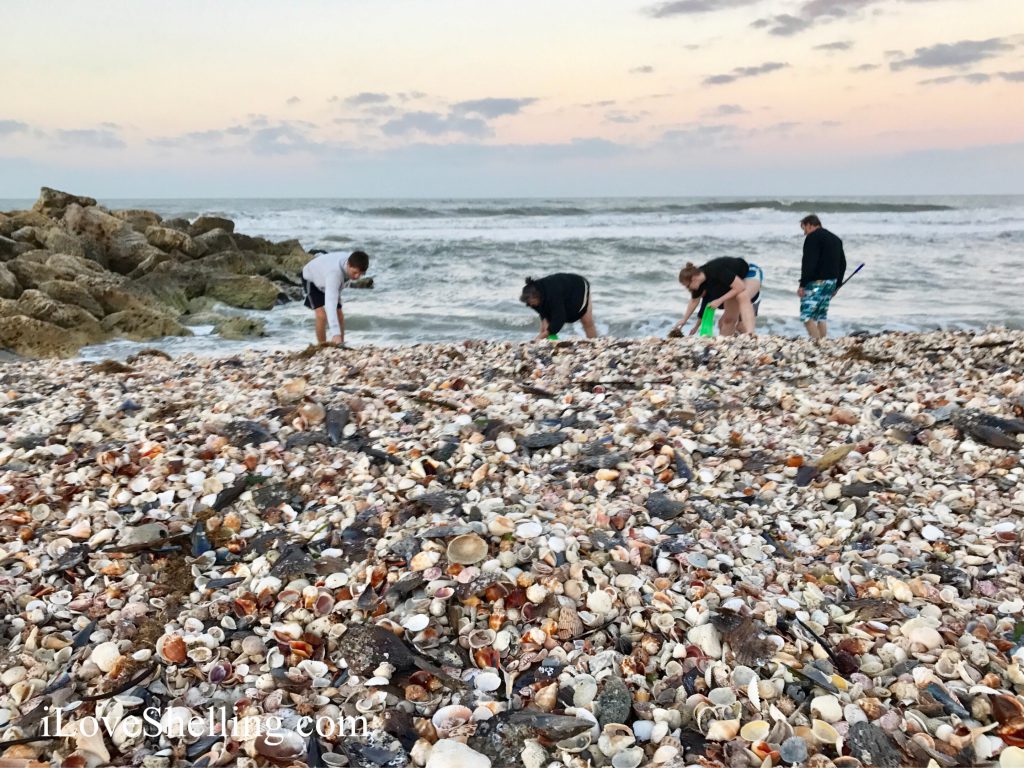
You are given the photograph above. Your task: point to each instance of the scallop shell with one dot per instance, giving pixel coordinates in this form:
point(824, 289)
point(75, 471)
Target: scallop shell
point(755, 730)
point(569, 624)
point(467, 549)
point(171, 649)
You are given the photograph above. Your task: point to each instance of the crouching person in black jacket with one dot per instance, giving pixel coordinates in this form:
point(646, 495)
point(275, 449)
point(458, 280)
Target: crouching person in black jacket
point(560, 299)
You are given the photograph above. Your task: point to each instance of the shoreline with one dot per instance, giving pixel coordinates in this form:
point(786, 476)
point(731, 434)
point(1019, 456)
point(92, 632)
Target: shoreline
point(669, 551)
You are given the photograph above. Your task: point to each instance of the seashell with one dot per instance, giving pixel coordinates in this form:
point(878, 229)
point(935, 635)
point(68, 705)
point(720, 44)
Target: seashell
point(467, 549)
point(722, 730)
point(505, 444)
point(631, 757)
point(614, 738)
point(417, 622)
point(755, 730)
point(487, 682)
point(105, 656)
point(481, 638)
point(200, 654)
point(1011, 757)
point(280, 745)
point(171, 649)
point(448, 718)
point(374, 702)
point(529, 530)
point(219, 671)
point(824, 732)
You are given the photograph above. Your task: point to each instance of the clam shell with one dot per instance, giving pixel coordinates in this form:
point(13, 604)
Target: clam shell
point(467, 549)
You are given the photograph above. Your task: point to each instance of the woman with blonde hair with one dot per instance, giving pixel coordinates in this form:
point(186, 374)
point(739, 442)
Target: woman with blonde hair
point(726, 282)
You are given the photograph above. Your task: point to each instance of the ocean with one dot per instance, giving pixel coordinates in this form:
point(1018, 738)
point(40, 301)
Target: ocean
point(450, 270)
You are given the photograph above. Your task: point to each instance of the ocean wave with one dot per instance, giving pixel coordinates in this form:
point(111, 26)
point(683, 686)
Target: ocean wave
point(494, 210)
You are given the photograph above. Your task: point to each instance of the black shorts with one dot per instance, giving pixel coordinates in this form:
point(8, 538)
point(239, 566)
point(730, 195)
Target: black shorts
point(314, 296)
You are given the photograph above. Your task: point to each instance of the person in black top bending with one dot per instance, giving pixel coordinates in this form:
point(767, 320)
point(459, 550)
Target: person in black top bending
point(729, 282)
point(821, 273)
point(560, 299)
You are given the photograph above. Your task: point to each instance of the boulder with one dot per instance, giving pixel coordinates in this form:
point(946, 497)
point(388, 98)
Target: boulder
point(21, 219)
point(167, 239)
point(286, 247)
point(172, 284)
point(125, 248)
point(30, 273)
point(238, 262)
point(143, 325)
point(177, 223)
point(250, 243)
point(153, 261)
point(204, 318)
point(10, 288)
point(28, 235)
point(201, 304)
point(114, 298)
point(205, 224)
point(244, 291)
point(28, 337)
point(38, 305)
point(139, 220)
point(53, 202)
point(294, 261)
point(6, 225)
point(240, 328)
point(72, 292)
point(68, 267)
point(57, 240)
point(7, 246)
point(215, 240)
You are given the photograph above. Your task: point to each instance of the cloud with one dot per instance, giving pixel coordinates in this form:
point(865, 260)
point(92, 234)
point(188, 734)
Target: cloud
point(366, 97)
point(293, 100)
point(435, 124)
point(814, 12)
point(194, 138)
point(690, 7)
point(491, 108)
point(742, 72)
point(729, 109)
point(830, 123)
point(700, 135)
point(1013, 77)
point(975, 78)
point(839, 45)
point(7, 127)
point(864, 68)
point(624, 118)
point(605, 103)
point(646, 69)
point(96, 138)
point(282, 139)
point(782, 26)
point(959, 54)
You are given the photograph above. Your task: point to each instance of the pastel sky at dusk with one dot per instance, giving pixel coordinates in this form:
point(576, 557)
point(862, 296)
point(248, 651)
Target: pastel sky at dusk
point(414, 98)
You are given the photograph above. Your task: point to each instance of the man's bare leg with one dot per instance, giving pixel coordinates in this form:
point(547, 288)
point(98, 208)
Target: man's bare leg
point(588, 322)
point(321, 325)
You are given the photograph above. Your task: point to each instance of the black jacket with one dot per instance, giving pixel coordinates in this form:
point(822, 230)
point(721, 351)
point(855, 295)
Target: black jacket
point(564, 299)
point(824, 258)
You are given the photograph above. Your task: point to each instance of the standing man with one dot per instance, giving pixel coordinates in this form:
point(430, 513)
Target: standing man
point(822, 270)
point(322, 280)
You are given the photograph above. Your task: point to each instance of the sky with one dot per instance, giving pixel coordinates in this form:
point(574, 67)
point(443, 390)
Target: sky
point(453, 98)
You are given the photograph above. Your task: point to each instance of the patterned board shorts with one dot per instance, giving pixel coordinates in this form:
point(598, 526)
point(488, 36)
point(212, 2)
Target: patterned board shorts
point(817, 296)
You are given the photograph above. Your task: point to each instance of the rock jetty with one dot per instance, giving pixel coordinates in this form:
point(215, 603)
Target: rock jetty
point(74, 273)
point(485, 555)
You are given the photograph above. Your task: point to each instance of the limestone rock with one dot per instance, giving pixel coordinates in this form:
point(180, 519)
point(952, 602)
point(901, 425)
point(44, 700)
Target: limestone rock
point(172, 284)
point(68, 267)
point(36, 304)
point(57, 240)
point(10, 288)
point(240, 328)
point(31, 235)
point(167, 239)
point(216, 240)
point(71, 292)
point(28, 337)
point(21, 219)
point(239, 262)
point(53, 202)
point(245, 291)
point(114, 298)
point(30, 273)
point(204, 318)
point(143, 325)
point(7, 246)
point(139, 220)
point(125, 248)
point(205, 224)
point(6, 225)
point(177, 223)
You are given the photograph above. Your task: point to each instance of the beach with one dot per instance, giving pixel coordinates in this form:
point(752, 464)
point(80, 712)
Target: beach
point(624, 552)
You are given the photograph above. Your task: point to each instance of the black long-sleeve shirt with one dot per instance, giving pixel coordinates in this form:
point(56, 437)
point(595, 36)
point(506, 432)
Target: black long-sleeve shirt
point(824, 258)
point(564, 299)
